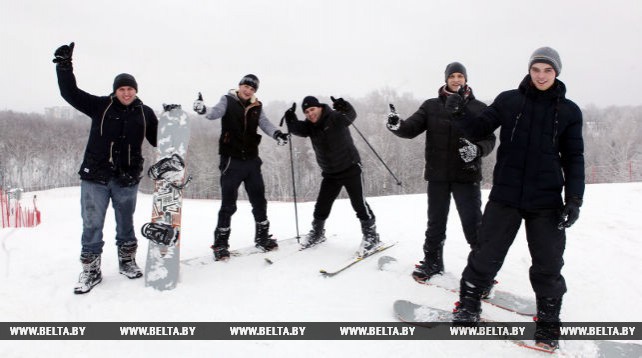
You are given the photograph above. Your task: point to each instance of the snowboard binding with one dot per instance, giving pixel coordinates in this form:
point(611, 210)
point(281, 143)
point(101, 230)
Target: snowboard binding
point(160, 233)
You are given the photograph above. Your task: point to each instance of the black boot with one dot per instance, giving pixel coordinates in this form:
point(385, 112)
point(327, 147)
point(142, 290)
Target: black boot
point(127, 260)
point(263, 240)
point(90, 275)
point(433, 264)
point(468, 310)
point(316, 234)
point(547, 330)
point(370, 241)
point(221, 245)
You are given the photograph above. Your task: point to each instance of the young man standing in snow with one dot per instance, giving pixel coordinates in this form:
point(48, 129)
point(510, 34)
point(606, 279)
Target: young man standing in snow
point(340, 165)
point(241, 114)
point(541, 154)
point(453, 167)
point(111, 168)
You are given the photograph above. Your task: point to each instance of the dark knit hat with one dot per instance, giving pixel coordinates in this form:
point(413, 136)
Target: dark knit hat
point(310, 101)
point(455, 67)
point(546, 55)
point(250, 80)
point(125, 79)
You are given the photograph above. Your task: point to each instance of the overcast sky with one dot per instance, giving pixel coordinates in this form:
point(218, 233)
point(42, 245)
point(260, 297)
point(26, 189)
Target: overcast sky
point(176, 48)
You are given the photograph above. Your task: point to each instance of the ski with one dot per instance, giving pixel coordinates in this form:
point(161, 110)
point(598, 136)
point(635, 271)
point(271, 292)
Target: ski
point(284, 246)
point(169, 175)
point(355, 260)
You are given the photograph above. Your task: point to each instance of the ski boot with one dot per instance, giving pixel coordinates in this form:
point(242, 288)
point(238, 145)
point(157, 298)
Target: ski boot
point(433, 264)
point(547, 323)
point(160, 233)
point(316, 234)
point(221, 246)
point(467, 310)
point(127, 260)
point(262, 239)
point(90, 275)
point(370, 241)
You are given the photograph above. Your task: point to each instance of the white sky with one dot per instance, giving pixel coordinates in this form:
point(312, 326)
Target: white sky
point(335, 47)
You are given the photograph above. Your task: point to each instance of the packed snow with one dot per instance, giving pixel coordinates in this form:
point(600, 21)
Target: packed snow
point(39, 267)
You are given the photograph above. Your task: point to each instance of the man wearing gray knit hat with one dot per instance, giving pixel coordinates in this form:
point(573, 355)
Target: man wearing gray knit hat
point(538, 179)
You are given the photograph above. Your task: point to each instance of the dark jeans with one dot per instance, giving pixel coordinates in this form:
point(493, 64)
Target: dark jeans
point(468, 201)
point(235, 172)
point(546, 244)
point(94, 200)
point(331, 186)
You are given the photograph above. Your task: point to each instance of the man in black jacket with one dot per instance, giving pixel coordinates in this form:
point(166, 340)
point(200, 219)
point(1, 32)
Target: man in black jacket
point(541, 154)
point(111, 167)
point(241, 115)
point(340, 164)
point(453, 167)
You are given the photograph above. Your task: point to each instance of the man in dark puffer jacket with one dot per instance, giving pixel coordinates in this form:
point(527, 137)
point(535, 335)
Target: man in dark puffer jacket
point(453, 167)
point(541, 154)
point(112, 165)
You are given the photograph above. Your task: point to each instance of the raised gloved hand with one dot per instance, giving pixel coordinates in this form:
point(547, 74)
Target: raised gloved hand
point(199, 105)
point(339, 104)
point(455, 103)
point(570, 213)
point(393, 118)
point(281, 138)
point(62, 56)
point(290, 114)
point(468, 151)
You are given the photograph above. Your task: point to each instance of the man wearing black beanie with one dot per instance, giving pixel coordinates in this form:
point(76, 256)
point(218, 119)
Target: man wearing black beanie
point(540, 156)
point(453, 167)
point(111, 167)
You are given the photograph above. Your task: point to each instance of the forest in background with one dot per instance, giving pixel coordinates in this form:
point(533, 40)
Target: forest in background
point(39, 152)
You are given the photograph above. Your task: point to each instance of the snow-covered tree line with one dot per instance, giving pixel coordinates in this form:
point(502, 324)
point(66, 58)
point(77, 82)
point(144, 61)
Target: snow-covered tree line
point(38, 152)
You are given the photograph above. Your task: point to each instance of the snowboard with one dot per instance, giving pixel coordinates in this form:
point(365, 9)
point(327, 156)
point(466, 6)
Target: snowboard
point(163, 258)
point(355, 260)
point(426, 316)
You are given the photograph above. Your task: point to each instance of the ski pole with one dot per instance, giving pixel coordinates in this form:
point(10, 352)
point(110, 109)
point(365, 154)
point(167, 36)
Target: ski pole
point(376, 154)
point(296, 211)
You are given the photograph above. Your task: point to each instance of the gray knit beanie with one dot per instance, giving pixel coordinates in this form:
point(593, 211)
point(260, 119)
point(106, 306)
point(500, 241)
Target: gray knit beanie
point(546, 55)
point(455, 67)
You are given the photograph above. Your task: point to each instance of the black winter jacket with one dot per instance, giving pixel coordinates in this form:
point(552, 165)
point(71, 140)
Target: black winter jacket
point(443, 162)
point(114, 148)
point(239, 124)
point(541, 148)
point(331, 139)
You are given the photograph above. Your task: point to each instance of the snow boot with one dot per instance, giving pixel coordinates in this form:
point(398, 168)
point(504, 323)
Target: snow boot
point(127, 260)
point(370, 241)
point(547, 323)
point(468, 309)
point(221, 245)
point(316, 234)
point(433, 264)
point(262, 239)
point(90, 275)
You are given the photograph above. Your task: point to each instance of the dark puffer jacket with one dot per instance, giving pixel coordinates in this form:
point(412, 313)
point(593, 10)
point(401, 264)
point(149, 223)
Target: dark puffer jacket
point(541, 150)
point(331, 139)
point(443, 162)
point(114, 148)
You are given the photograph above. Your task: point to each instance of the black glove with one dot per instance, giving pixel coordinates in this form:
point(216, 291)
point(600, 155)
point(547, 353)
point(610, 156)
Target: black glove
point(281, 138)
point(570, 213)
point(290, 114)
point(199, 106)
point(393, 118)
point(468, 151)
point(126, 180)
point(455, 103)
point(62, 56)
point(339, 104)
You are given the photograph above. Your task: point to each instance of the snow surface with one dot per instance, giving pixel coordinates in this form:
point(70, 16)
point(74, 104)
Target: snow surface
point(39, 266)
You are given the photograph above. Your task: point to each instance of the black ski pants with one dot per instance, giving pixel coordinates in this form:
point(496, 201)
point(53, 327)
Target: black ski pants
point(331, 185)
point(546, 244)
point(468, 202)
point(235, 172)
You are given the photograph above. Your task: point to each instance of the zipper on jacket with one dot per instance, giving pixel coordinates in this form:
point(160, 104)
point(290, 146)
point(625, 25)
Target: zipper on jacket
point(102, 120)
point(111, 154)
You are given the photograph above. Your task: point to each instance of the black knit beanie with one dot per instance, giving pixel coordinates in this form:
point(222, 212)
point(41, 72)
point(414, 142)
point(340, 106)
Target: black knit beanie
point(310, 101)
point(125, 79)
point(250, 80)
point(455, 67)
